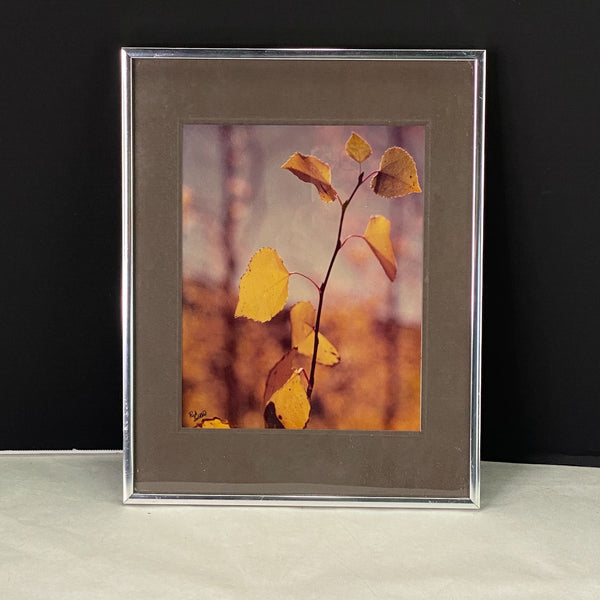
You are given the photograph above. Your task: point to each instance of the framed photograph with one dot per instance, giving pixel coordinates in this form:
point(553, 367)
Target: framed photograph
point(302, 247)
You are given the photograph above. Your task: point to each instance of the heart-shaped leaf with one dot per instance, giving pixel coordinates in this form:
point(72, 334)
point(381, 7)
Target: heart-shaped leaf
point(377, 235)
point(312, 170)
point(263, 287)
point(302, 318)
point(291, 404)
point(397, 175)
point(280, 373)
point(357, 148)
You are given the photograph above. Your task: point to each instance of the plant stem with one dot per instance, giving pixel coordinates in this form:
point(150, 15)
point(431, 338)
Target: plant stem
point(338, 247)
point(305, 277)
point(354, 235)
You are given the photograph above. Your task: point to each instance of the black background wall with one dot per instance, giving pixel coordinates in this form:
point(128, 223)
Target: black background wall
point(60, 198)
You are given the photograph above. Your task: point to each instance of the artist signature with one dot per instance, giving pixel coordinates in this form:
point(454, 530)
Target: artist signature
point(197, 415)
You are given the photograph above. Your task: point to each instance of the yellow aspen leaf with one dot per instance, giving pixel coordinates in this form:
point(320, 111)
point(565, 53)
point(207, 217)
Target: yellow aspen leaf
point(312, 170)
point(214, 423)
point(377, 235)
point(291, 404)
point(357, 148)
point(302, 318)
point(280, 373)
point(263, 287)
point(397, 175)
point(327, 353)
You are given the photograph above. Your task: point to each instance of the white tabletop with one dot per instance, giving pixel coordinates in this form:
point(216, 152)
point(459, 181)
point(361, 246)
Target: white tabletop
point(64, 534)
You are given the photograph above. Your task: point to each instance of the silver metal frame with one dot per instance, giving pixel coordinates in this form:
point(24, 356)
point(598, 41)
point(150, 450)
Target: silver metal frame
point(129, 495)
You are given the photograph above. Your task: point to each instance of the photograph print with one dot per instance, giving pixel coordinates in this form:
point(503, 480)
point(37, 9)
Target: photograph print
point(302, 264)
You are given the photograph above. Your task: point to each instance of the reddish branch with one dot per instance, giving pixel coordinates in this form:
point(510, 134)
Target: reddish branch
point(323, 286)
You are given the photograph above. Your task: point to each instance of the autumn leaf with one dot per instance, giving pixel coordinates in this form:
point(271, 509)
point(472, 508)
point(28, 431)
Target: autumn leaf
point(263, 287)
point(357, 148)
point(312, 170)
point(302, 318)
point(397, 175)
point(377, 235)
point(280, 373)
point(290, 403)
point(214, 423)
point(327, 353)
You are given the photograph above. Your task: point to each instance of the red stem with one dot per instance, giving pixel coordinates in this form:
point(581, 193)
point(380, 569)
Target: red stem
point(354, 235)
point(303, 371)
point(307, 277)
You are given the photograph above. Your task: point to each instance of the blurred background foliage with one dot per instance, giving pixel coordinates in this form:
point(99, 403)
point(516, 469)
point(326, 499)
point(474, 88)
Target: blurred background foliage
point(375, 386)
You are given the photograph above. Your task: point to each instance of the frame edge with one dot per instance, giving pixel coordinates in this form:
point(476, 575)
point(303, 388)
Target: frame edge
point(127, 271)
point(477, 271)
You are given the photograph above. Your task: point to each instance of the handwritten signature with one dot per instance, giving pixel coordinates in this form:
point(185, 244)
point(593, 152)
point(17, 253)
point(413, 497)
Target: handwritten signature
point(197, 415)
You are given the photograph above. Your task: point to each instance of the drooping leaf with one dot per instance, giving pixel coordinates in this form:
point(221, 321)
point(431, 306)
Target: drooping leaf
point(302, 318)
point(357, 148)
point(312, 170)
point(377, 236)
point(397, 174)
point(280, 373)
point(291, 404)
point(214, 423)
point(327, 353)
point(263, 287)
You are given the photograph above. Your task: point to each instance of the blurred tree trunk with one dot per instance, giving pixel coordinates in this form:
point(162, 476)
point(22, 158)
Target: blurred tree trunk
point(393, 330)
point(402, 212)
point(241, 178)
point(226, 367)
